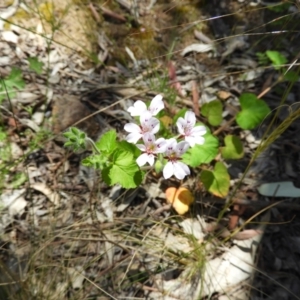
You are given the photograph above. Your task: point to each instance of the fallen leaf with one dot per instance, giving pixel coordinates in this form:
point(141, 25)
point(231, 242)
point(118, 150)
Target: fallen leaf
point(77, 276)
point(181, 199)
point(44, 189)
point(197, 48)
point(223, 95)
point(166, 120)
point(14, 201)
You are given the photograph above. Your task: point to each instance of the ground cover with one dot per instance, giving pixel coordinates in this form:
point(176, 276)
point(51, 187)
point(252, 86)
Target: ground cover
point(67, 232)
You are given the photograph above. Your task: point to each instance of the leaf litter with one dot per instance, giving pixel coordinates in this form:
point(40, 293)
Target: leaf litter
point(118, 243)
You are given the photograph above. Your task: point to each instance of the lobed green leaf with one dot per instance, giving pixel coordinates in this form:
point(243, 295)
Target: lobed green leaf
point(202, 154)
point(253, 111)
point(213, 112)
point(217, 181)
point(233, 148)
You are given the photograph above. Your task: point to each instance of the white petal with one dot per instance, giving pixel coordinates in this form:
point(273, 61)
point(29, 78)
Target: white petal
point(198, 130)
point(131, 127)
point(133, 137)
point(149, 139)
point(145, 117)
point(145, 158)
point(156, 105)
point(141, 147)
point(142, 159)
point(151, 159)
point(181, 123)
point(190, 116)
point(180, 170)
point(191, 140)
point(161, 145)
point(181, 148)
point(138, 108)
point(154, 124)
point(171, 144)
point(168, 170)
point(195, 140)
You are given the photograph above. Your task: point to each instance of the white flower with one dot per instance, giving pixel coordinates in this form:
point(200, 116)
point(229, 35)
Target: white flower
point(139, 107)
point(192, 135)
point(173, 153)
point(148, 124)
point(150, 148)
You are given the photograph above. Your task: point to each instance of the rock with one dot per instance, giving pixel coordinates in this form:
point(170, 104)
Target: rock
point(68, 110)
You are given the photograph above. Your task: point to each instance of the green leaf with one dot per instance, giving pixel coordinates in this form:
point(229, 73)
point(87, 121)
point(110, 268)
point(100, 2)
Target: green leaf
point(124, 170)
point(253, 111)
point(108, 142)
point(18, 180)
point(76, 139)
point(129, 147)
point(291, 76)
point(9, 84)
point(277, 58)
point(97, 161)
point(279, 8)
point(15, 79)
point(262, 58)
point(233, 148)
point(213, 112)
point(3, 135)
point(202, 154)
point(35, 65)
point(217, 181)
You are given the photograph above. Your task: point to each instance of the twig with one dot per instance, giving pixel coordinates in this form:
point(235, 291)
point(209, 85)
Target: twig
point(195, 94)
point(113, 14)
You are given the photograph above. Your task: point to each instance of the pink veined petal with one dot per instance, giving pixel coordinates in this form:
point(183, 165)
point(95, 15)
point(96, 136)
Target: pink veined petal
point(148, 123)
point(145, 117)
point(168, 170)
point(190, 118)
point(133, 137)
point(161, 145)
point(171, 144)
point(154, 125)
point(148, 139)
point(198, 130)
point(181, 148)
point(156, 105)
point(181, 123)
point(131, 127)
point(138, 108)
point(180, 170)
point(142, 159)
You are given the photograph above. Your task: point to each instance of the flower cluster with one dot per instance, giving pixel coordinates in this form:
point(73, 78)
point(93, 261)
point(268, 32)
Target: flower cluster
point(171, 149)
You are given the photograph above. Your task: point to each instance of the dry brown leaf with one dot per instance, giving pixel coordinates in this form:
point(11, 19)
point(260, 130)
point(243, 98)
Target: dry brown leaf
point(223, 95)
point(54, 197)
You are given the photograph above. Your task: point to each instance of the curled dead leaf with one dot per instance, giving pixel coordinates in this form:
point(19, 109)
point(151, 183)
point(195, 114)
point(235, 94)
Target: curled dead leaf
point(181, 199)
